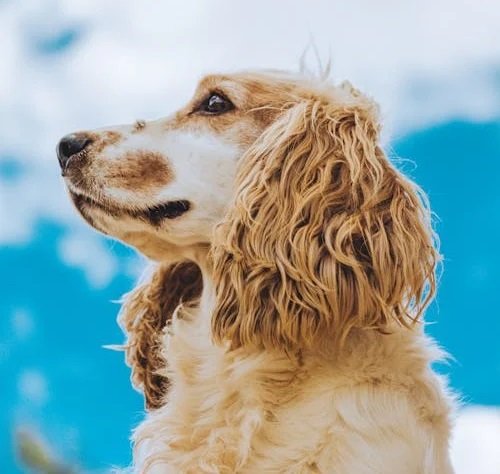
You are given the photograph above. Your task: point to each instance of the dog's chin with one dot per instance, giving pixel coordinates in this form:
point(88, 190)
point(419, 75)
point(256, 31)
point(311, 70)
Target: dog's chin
point(153, 215)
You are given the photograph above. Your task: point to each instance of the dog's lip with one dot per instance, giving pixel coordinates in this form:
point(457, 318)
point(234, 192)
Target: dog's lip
point(167, 210)
point(154, 214)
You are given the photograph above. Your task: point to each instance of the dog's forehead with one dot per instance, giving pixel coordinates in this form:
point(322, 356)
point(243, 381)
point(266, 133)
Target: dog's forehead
point(262, 86)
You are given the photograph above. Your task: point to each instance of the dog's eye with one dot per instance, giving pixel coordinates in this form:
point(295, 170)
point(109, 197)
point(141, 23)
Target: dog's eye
point(216, 104)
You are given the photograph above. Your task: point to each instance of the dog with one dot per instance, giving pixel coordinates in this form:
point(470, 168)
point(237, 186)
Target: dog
point(279, 329)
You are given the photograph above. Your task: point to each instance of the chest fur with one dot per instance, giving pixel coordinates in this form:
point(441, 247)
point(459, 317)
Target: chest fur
point(264, 412)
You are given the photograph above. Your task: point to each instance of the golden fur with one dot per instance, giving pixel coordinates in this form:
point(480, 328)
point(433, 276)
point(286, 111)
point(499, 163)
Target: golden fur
point(289, 339)
point(350, 243)
point(145, 314)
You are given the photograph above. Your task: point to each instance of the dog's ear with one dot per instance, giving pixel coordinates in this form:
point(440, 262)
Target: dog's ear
point(144, 315)
point(324, 234)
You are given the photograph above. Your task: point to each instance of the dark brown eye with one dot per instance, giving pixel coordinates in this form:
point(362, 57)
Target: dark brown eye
point(216, 104)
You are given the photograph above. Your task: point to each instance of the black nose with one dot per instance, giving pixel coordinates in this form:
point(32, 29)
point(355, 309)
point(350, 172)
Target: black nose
point(69, 146)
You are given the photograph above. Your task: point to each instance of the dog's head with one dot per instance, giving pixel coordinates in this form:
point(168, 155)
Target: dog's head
point(163, 185)
point(312, 231)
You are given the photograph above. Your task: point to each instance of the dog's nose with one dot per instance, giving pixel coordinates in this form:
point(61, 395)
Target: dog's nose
point(69, 146)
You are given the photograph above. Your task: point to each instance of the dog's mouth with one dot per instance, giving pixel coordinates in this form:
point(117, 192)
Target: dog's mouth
point(154, 214)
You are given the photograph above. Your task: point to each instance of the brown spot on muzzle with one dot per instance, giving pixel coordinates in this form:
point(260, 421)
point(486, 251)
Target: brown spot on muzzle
point(77, 167)
point(140, 170)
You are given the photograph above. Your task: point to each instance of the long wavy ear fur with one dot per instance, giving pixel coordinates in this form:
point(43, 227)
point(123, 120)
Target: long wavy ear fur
point(324, 235)
point(143, 317)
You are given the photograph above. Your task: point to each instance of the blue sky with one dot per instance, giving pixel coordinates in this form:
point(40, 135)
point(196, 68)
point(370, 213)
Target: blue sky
point(434, 66)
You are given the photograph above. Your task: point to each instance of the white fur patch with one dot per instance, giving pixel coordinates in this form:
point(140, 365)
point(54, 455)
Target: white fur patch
point(203, 166)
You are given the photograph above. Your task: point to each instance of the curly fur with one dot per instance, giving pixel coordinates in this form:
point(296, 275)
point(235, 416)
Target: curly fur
point(350, 243)
point(144, 316)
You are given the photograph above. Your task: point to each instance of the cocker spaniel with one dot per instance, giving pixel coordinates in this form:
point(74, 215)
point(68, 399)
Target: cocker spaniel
point(279, 330)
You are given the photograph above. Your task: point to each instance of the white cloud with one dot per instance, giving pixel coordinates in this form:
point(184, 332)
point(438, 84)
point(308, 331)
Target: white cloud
point(91, 255)
point(475, 446)
point(38, 192)
point(32, 386)
point(142, 59)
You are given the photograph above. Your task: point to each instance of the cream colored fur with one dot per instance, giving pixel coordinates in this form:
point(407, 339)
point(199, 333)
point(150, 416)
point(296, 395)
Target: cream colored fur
point(377, 408)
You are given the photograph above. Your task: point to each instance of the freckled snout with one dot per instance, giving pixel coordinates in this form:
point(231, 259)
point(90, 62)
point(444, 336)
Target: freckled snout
point(71, 145)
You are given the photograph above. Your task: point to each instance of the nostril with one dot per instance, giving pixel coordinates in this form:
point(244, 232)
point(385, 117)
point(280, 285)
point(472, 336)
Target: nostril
point(71, 145)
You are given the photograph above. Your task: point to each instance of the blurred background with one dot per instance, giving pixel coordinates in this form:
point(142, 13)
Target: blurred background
point(66, 403)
